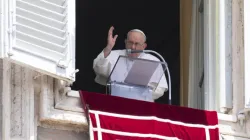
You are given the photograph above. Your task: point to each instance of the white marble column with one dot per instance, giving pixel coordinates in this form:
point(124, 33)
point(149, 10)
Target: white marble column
point(30, 101)
point(17, 98)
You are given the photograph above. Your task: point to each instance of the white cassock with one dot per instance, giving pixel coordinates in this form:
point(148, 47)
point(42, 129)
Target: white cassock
point(103, 67)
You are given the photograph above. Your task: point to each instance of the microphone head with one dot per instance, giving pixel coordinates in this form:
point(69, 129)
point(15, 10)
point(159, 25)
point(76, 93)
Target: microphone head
point(129, 51)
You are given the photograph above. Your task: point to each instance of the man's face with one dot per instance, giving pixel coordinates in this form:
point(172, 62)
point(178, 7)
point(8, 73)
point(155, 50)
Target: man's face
point(135, 41)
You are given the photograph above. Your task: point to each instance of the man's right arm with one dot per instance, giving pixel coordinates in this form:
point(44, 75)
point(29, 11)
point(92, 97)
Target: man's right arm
point(103, 63)
point(106, 51)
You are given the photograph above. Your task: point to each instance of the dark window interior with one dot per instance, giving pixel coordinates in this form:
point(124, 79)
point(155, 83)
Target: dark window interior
point(158, 19)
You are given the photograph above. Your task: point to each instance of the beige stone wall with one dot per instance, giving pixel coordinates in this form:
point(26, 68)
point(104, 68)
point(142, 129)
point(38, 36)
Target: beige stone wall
point(21, 97)
point(28, 110)
point(235, 128)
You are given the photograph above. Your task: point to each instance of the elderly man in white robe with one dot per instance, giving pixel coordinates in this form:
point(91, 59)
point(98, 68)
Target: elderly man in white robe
point(105, 61)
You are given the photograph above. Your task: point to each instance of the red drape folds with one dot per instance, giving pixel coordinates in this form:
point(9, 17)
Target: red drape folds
point(116, 118)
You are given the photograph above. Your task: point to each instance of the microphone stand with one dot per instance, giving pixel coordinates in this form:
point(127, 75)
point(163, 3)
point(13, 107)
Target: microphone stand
point(169, 79)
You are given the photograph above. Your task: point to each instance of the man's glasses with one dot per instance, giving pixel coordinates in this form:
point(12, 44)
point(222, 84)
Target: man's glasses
point(130, 43)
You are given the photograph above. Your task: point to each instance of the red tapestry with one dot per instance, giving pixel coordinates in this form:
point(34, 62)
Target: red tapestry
point(116, 118)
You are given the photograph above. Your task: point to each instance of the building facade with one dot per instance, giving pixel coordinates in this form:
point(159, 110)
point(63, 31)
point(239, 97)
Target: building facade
point(37, 103)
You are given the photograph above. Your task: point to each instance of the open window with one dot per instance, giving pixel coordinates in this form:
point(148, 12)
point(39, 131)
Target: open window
point(161, 26)
point(93, 22)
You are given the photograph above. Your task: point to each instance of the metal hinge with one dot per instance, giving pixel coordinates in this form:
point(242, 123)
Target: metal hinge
point(201, 79)
point(242, 116)
point(10, 53)
point(201, 6)
point(73, 73)
point(63, 64)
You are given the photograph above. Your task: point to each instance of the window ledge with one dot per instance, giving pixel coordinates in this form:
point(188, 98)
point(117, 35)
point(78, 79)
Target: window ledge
point(55, 113)
point(74, 121)
point(70, 104)
point(227, 117)
point(228, 126)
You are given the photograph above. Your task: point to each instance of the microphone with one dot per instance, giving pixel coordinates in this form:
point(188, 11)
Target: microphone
point(129, 51)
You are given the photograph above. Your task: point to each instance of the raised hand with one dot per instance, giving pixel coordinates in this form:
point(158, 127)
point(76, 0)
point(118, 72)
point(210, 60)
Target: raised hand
point(111, 40)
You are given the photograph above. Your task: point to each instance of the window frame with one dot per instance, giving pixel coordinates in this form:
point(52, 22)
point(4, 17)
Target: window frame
point(218, 55)
point(209, 55)
point(247, 53)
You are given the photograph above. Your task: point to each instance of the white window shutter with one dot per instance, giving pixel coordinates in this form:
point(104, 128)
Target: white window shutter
point(247, 51)
point(43, 36)
point(3, 32)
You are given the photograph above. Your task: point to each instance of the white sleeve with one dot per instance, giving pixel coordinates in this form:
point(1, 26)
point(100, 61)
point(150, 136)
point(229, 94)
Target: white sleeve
point(103, 66)
point(163, 82)
point(158, 93)
point(162, 87)
point(158, 77)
